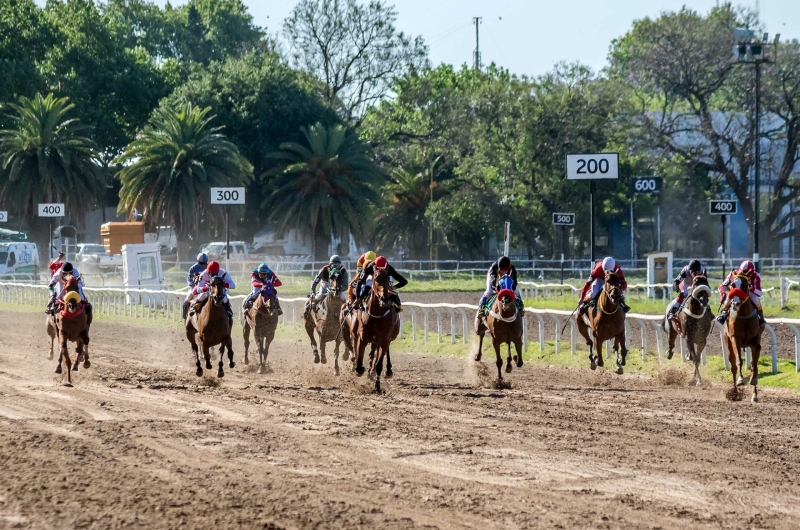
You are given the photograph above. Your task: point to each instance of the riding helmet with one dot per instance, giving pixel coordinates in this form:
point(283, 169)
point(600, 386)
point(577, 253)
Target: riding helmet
point(695, 266)
point(747, 266)
point(67, 267)
point(202, 258)
point(263, 269)
point(213, 268)
point(381, 263)
point(609, 264)
point(335, 260)
point(504, 263)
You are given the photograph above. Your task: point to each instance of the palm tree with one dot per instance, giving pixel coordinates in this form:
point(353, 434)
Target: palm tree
point(172, 164)
point(326, 188)
point(47, 157)
point(404, 218)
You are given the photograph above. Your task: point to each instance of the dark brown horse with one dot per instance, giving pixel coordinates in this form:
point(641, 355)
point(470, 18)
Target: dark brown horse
point(377, 324)
point(694, 321)
point(325, 321)
point(604, 322)
point(262, 318)
point(71, 324)
point(742, 330)
point(211, 326)
point(504, 324)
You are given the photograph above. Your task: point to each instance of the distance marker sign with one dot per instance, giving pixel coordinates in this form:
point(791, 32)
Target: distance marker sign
point(51, 210)
point(563, 219)
point(593, 166)
point(3, 217)
point(723, 207)
point(227, 195)
point(646, 185)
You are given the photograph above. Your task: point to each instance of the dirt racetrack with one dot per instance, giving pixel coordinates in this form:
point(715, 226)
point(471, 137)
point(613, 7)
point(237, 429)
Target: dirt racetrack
point(139, 441)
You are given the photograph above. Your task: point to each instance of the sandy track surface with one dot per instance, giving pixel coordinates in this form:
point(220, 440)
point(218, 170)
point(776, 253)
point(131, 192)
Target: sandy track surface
point(139, 442)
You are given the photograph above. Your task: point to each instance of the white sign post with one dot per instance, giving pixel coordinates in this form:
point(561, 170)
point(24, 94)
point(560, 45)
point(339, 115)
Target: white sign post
point(507, 239)
point(227, 196)
point(592, 167)
point(3, 217)
point(563, 220)
point(51, 209)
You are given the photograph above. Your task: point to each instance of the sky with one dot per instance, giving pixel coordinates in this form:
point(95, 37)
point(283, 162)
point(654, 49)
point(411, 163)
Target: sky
point(530, 36)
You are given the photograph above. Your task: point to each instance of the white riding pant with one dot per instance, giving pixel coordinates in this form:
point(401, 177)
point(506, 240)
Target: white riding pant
point(203, 296)
point(323, 292)
point(597, 286)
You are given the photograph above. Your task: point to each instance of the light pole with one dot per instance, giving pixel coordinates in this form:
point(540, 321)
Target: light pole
point(747, 51)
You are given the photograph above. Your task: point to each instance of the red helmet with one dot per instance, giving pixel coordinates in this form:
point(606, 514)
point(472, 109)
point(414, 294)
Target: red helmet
point(747, 267)
point(213, 268)
point(381, 263)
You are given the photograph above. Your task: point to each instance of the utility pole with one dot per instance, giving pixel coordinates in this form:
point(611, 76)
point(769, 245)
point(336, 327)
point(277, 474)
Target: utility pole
point(477, 54)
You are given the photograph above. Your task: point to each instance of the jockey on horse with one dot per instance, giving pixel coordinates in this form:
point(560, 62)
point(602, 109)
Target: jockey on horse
point(683, 283)
point(261, 275)
point(502, 267)
point(365, 280)
point(748, 270)
point(595, 283)
point(324, 276)
point(365, 259)
point(191, 278)
point(58, 287)
point(200, 291)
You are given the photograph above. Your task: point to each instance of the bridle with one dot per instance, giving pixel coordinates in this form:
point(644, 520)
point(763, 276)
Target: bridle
point(380, 278)
point(217, 290)
point(613, 293)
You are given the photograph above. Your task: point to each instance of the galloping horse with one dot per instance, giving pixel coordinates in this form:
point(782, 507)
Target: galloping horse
point(604, 322)
point(262, 318)
point(70, 324)
point(694, 321)
point(505, 326)
point(211, 327)
point(325, 321)
point(379, 325)
point(742, 330)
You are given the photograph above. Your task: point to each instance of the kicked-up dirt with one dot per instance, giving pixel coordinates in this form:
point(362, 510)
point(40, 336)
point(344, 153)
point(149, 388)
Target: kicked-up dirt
point(140, 441)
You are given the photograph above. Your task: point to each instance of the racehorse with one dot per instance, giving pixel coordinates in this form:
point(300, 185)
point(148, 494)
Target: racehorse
point(325, 321)
point(694, 321)
point(262, 318)
point(70, 324)
point(742, 330)
point(604, 322)
point(378, 324)
point(211, 326)
point(504, 325)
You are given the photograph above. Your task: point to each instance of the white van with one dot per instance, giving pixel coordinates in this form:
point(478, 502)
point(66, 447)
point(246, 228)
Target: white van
point(141, 266)
point(18, 259)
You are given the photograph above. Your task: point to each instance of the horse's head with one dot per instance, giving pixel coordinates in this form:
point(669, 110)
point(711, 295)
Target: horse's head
point(334, 282)
point(381, 287)
point(742, 281)
point(72, 301)
point(265, 304)
point(71, 283)
point(612, 287)
point(701, 290)
point(217, 290)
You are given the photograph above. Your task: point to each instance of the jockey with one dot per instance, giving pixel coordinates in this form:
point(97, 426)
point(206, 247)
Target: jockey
point(56, 264)
point(58, 284)
point(324, 276)
point(365, 280)
point(365, 258)
point(500, 268)
point(194, 271)
point(595, 283)
point(201, 289)
point(684, 282)
point(747, 269)
point(258, 278)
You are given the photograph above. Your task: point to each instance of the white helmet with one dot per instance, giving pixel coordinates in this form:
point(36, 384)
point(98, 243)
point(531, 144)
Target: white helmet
point(609, 264)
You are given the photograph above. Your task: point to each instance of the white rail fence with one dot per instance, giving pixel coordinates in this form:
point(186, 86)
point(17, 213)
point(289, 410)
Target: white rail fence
point(166, 305)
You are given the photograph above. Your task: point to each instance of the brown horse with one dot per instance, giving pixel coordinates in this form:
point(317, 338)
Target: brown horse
point(378, 324)
point(211, 326)
point(694, 321)
point(742, 330)
point(71, 323)
point(262, 318)
point(504, 324)
point(604, 322)
point(326, 322)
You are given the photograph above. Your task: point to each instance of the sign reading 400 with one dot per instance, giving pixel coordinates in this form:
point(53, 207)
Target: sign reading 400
point(227, 195)
point(593, 166)
point(51, 210)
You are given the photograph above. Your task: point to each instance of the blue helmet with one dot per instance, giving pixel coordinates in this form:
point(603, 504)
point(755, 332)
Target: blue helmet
point(202, 258)
point(263, 269)
point(506, 283)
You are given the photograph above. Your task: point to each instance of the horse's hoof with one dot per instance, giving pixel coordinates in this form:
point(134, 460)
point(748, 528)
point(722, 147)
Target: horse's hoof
point(478, 358)
point(231, 364)
point(220, 373)
point(208, 365)
point(619, 370)
point(336, 371)
point(519, 362)
point(50, 358)
point(508, 368)
point(593, 365)
point(58, 369)
point(600, 361)
point(687, 358)
point(360, 371)
point(246, 361)
point(670, 354)
point(754, 399)
point(740, 381)
point(389, 373)
point(68, 384)
point(754, 381)
point(377, 387)
point(514, 358)
point(75, 366)
point(316, 359)
point(262, 370)
point(346, 356)
point(698, 381)
point(199, 372)
point(323, 360)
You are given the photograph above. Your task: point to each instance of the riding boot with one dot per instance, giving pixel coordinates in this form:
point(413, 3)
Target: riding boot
point(625, 307)
point(761, 320)
point(723, 316)
point(396, 301)
point(278, 306)
point(49, 309)
point(185, 310)
point(583, 307)
point(229, 309)
point(673, 311)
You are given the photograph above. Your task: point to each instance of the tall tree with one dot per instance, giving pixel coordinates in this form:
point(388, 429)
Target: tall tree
point(48, 157)
point(353, 48)
point(327, 187)
point(25, 36)
point(172, 164)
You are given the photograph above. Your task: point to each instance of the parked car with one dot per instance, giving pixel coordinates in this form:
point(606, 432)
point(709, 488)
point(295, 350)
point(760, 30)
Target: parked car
point(216, 251)
point(95, 255)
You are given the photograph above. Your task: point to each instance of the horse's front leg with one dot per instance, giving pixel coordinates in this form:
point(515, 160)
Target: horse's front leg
point(499, 361)
point(518, 349)
point(617, 357)
point(508, 359)
point(220, 371)
point(86, 363)
point(598, 350)
point(78, 355)
point(246, 337)
point(311, 328)
point(479, 353)
point(378, 369)
point(756, 349)
point(389, 372)
point(322, 358)
point(229, 345)
point(67, 361)
point(361, 346)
